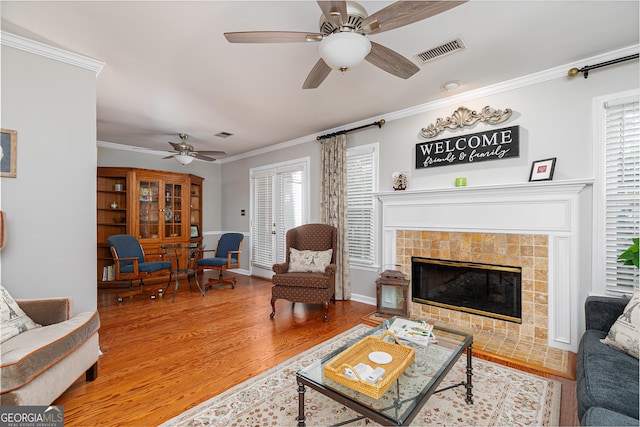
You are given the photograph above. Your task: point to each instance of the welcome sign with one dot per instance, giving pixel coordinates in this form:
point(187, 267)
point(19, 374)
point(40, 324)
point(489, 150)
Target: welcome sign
point(477, 147)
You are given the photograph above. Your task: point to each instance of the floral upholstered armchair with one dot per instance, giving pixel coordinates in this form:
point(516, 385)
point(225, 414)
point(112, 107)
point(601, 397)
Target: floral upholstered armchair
point(309, 273)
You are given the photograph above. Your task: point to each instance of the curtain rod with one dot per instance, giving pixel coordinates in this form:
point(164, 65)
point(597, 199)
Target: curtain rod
point(585, 69)
point(379, 123)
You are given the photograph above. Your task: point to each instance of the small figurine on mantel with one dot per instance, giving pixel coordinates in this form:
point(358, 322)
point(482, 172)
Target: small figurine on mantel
point(400, 181)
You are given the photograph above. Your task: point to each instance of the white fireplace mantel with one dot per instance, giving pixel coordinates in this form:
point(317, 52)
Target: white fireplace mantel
point(553, 208)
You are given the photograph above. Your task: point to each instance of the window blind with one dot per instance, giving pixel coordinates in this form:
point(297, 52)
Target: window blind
point(622, 191)
point(360, 207)
point(291, 209)
point(278, 204)
point(261, 249)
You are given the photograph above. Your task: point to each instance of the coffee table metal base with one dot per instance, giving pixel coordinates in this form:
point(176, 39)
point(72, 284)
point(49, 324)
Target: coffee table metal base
point(366, 412)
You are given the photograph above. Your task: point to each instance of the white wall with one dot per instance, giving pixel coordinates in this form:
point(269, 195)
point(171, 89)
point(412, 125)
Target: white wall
point(555, 119)
point(50, 225)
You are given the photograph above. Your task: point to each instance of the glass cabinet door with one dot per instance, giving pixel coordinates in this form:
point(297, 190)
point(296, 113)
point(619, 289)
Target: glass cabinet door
point(149, 210)
point(173, 209)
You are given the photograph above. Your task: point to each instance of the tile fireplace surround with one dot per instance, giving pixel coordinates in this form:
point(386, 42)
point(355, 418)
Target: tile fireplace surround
point(533, 226)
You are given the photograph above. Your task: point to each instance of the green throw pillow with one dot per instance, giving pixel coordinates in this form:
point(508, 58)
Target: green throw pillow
point(14, 320)
point(625, 332)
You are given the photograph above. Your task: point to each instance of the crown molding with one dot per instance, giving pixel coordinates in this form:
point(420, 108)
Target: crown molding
point(124, 147)
point(509, 85)
point(51, 52)
point(142, 150)
point(506, 86)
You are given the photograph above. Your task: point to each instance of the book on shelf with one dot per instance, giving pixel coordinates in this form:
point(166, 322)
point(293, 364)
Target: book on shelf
point(108, 273)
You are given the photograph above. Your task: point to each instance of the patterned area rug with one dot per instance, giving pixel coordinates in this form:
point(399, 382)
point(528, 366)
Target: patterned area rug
point(502, 396)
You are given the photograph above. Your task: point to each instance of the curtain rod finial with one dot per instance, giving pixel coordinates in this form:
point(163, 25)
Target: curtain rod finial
point(573, 72)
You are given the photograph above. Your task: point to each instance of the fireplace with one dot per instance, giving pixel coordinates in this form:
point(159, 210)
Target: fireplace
point(482, 289)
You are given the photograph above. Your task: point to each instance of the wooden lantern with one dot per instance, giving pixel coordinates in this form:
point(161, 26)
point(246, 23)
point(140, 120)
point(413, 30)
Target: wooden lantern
point(392, 293)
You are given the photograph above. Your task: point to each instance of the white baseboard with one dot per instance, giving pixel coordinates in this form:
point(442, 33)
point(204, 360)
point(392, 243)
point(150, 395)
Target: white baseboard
point(240, 271)
point(363, 299)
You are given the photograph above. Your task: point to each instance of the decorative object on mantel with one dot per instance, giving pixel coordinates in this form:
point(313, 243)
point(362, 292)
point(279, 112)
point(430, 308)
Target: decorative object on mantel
point(542, 170)
point(464, 117)
point(400, 180)
point(461, 182)
point(8, 147)
point(585, 70)
point(477, 147)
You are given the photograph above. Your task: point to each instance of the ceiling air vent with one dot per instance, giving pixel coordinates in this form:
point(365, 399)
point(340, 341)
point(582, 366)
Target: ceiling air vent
point(442, 50)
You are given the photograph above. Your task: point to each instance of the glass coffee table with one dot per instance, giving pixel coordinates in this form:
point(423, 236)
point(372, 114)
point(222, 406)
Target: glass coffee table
point(404, 399)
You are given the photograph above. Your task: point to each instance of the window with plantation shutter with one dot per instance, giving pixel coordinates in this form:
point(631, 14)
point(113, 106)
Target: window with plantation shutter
point(619, 184)
point(262, 219)
point(278, 203)
point(361, 184)
point(291, 209)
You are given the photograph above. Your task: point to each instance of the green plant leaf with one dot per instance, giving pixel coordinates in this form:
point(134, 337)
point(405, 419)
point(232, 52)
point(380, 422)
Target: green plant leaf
point(631, 255)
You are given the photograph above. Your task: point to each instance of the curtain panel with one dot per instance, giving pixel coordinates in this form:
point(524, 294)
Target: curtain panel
point(333, 205)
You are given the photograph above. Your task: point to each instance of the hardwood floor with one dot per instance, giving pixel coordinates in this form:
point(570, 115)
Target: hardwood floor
point(161, 359)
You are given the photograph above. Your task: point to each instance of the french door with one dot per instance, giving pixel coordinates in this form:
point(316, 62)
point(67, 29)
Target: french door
point(279, 202)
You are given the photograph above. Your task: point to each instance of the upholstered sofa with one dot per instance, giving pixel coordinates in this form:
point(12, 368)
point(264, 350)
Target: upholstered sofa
point(606, 378)
point(39, 364)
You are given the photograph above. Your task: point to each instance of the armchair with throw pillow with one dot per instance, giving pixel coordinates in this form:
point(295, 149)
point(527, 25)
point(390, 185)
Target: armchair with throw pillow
point(308, 274)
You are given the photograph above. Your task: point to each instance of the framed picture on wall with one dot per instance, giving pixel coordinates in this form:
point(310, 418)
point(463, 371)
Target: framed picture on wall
point(542, 170)
point(8, 147)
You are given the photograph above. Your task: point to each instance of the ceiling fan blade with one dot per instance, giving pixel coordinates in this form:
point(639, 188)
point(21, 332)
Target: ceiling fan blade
point(335, 11)
point(177, 147)
point(403, 13)
point(391, 62)
point(206, 158)
point(169, 157)
point(318, 73)
point(272, 37)
point(212, 153)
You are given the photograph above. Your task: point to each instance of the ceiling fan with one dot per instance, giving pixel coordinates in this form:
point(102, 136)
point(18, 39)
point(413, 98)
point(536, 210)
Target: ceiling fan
point(185, 153)
point(344, 27)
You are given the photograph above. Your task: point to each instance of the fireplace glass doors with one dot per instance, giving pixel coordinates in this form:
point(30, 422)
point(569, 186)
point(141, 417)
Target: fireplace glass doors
point(487, 290)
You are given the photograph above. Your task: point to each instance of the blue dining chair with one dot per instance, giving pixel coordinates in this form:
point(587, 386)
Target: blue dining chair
point(130, 264)
point(225, 256)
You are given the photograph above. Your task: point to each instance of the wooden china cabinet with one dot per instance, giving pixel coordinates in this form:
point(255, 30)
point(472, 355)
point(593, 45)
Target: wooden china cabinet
point(157, 207)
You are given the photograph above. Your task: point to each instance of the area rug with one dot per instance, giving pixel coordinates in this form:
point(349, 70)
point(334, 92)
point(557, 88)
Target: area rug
point(502, 396)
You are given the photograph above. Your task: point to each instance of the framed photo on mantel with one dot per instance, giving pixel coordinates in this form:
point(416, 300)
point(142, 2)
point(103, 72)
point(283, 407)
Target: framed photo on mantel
point(542, 170)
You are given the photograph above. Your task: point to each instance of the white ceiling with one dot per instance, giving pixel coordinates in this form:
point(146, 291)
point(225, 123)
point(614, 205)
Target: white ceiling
point(169, 68)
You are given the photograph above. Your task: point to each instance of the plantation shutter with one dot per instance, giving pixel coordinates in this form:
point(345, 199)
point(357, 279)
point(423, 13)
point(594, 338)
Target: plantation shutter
point(261, 249)
point(622, 191)
point(291, 210)
point(360, 208)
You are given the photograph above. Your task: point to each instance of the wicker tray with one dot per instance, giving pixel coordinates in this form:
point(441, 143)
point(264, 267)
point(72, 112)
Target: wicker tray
point(359, 353)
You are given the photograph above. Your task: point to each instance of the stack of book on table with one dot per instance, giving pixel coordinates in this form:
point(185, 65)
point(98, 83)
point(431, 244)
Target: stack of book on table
point(416, 331)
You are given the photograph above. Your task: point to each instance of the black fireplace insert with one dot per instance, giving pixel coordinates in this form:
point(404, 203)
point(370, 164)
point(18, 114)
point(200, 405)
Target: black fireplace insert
point(483, 289)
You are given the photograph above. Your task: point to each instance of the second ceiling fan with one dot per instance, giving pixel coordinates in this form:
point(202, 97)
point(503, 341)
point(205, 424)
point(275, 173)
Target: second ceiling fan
point(344, 27)
point(185, 153)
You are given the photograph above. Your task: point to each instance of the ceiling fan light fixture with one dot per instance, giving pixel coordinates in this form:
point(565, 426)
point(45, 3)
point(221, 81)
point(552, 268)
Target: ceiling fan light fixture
point(183, 159)
point(344, 50)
